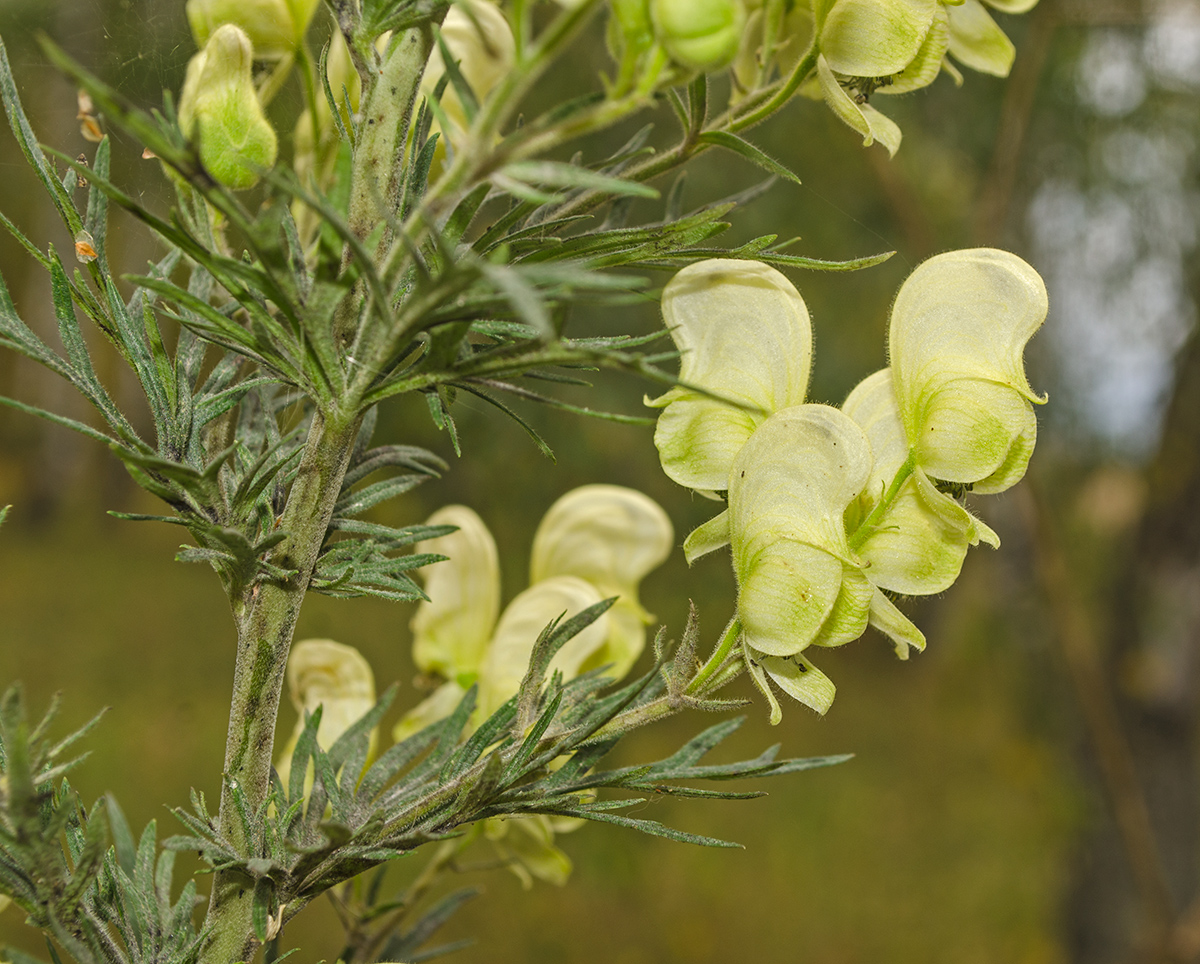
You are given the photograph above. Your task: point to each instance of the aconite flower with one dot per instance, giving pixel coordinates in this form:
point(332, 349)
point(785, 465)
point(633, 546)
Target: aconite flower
point(595, 542)
point(744, 335)
point(275, 27)
point(612, 537)
point(799, 584)
point(334, 677)
point(219, 110)
point(958, 332)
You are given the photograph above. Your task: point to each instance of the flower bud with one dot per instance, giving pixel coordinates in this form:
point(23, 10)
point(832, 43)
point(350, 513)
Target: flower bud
point(219, 110)
point(611, 537)
point(275, 27)
point(958, 330)
point(335, 677)
point(452, 627)
point(699, 34)
point(745, 335)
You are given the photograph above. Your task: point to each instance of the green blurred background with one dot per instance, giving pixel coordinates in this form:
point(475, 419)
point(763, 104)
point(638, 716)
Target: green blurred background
point(971, 826)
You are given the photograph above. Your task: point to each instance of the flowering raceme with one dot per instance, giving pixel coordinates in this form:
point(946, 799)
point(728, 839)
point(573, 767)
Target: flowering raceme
point(831, 509)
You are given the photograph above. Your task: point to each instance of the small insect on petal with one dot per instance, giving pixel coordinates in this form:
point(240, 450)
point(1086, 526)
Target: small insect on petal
point(85, 250)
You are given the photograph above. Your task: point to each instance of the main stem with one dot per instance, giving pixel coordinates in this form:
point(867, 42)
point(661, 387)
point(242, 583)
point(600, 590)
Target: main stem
point(266, 622)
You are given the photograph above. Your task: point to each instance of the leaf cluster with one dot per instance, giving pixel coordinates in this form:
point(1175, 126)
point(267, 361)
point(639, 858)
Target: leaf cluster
point(102, 904)
point(539, 753)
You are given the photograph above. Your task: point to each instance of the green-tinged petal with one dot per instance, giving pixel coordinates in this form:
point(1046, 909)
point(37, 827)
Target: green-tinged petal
point(437, 706)
point(974, 430)
point(875, 38)
point(958, 332)
point(895, 625)
point(451, 630)
point(796, 676)
point(521, 624)
point(335, 677)
point(848, 619)
point(919, 544)
point(977, 42)
point(744, 334)
point(923, 69)
point(759, 677)
point(863, 118)
point(269, 24)
point(612, 537)
point(699, 34)
point(795, 478)
point(706, 538)
point(526, 844)
point(787, 592)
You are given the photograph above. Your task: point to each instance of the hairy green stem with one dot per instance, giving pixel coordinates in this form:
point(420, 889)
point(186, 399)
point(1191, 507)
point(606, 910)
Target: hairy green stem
point(868, 526)
point(266, 620)
point(718, 659)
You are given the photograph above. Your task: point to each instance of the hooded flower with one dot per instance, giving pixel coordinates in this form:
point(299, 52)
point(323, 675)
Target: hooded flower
point(958, 331)
point(611, 537)
point(335, 677)
point(219, 110)
point(744, 334)
point(799, 584)
point(699, 34)
point(595, 542)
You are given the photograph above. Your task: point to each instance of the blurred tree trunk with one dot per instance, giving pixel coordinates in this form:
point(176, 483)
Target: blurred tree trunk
point(1153, 625)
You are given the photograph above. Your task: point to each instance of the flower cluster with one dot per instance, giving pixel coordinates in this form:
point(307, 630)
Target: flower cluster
point(595, 543)
point(829, 510)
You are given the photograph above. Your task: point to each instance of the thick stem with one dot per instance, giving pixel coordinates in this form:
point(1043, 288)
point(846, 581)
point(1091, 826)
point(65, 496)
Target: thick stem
point(266, 622)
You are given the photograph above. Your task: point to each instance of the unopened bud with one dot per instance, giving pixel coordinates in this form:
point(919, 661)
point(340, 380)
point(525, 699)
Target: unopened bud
point(700, 34)
point(275, 27)
point(219, 110)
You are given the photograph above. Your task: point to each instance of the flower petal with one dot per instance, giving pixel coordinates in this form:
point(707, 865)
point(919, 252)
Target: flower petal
point(787, 591)
point(875, 38)
point(612, 537)
point(745, 335)
point(451, 630)
point(895, 625)
point(437, 706)
point(863, 118)
point(335, 677)
point(976, 41)
point(924, 68)
point(706, 538)
point(518, 630)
